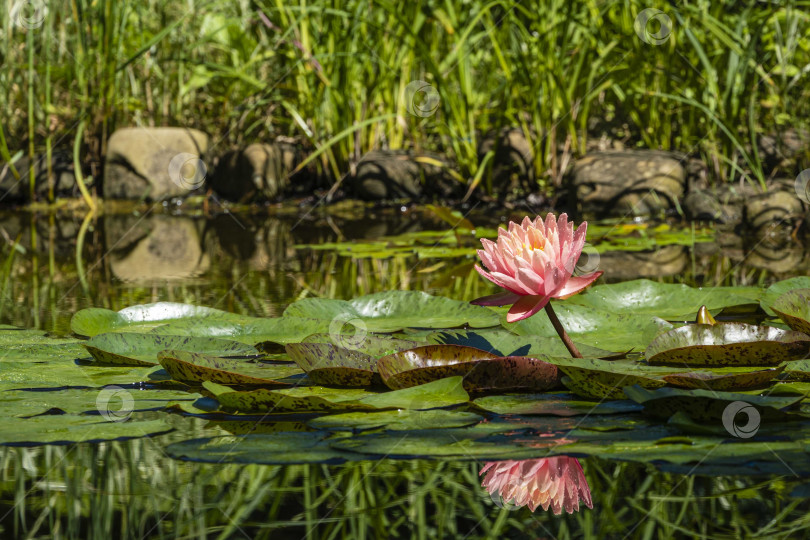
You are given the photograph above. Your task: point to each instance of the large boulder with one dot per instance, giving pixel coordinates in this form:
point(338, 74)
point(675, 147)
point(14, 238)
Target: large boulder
point(637, 183)
point(397, 174)
point(154, 163)
point(258, 172)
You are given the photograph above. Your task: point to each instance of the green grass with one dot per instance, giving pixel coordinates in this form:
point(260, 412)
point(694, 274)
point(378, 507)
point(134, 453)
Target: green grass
point(335, 75)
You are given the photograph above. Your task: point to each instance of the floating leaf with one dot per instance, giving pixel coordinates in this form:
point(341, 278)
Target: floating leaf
point(552, 404)
point(502, 342)
point(706, 405)
point(93, 321)
point(799, 370)
point(394, 310)
point(738, 379)
point(727, 344)
point(606, 330)
point(114, 399)
point(193, 367)
point(398, 420)
point(344, 363)
point(66, 428)
point(442, 393)
point(142, 349)
point(481, 370)
point(671, 301)
point(779, 288)
point(793, 307)
point(596, 379)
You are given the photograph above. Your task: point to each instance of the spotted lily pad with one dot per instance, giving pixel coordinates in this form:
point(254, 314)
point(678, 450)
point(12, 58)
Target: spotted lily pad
point(727, 344)
point(192, 367)
point(441, 393)
point(706, 405)
point(481, 370)
point(342, 361)
point(394, 310)
point(596, 379)
point(793, 307)
point(726, 379)
point(142, 349)
point(779, 288)
point(798, 370)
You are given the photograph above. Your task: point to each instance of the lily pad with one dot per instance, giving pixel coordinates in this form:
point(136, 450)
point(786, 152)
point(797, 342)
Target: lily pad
point(706, 405)
point(793, 307)
point(481, 370)
point(93, 321)
point(345, 363)
point(670, 301)
point(69, 429)
point(798, 370)
point(552, 404)
point(594, 327)
point(398, 420)
point(394, 310)
point(502, 342)
point(142, 349)
point(597, 379)
point(192, 367)
point(727, 344)
point(739, 379)
point(442, 393)
point(779, 288)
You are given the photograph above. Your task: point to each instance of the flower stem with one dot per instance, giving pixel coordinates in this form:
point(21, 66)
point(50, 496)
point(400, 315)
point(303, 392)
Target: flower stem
point(561, 332)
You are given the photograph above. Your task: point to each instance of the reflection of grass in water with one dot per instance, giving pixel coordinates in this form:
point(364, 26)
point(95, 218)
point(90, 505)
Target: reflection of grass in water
point(87, 491)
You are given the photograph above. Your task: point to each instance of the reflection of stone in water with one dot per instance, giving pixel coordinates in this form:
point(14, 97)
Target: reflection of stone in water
point(160, 247)
point(626, 265)
point(786, 258)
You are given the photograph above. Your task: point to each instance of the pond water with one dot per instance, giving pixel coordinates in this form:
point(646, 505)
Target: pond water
point(256, 265)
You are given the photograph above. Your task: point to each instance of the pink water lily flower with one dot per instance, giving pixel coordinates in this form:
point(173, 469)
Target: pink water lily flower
point(534, 261)
point(556, 481)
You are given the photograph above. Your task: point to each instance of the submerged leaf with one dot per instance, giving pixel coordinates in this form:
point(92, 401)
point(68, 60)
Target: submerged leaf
point(727, 344)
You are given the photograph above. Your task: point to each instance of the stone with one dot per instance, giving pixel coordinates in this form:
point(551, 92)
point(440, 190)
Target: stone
point(154, 163)
point(396, 174)
point(512, 163)
point(636, 183)
point(259, 172)
point(16, 191)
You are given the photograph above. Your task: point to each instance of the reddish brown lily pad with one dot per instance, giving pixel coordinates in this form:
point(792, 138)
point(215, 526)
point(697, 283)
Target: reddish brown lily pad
point(192, 367)
point(741, 380)
point(482, 371)
point(341, 362)
point(727, 344)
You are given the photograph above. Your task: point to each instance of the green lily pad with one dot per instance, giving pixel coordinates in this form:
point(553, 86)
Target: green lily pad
point(670, 301)
point(271, 449)
point(552, 404)
point(597, 328)
point(345, 363)
point(66, 428)
point(192, 367)
point(130, 349)
point(394, 310)
point(597, 379)
point(706, 405)
point(727, 344)
point(398, 420)
point(798, 370)
point(793, 307)
point(113, 400)
point(481, 370)
point(441, 393)
point(779, 288)
point(502, 342)
point(739, 379)
point(93, 321)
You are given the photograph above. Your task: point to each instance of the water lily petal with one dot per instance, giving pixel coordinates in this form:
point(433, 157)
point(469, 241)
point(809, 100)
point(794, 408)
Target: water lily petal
point(576, 284)
point(526, 307)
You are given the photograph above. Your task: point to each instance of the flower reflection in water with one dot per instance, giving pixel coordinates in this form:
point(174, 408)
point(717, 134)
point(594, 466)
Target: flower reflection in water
point(556, 481)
